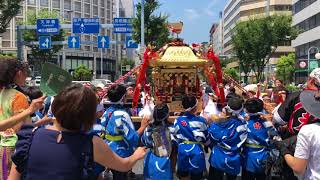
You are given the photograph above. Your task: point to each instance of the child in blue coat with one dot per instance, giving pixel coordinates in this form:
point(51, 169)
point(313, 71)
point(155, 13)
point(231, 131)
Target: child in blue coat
point(227, 137)
point(157, 164)
point(121, 135)
point(190, 132)
point(257, 146)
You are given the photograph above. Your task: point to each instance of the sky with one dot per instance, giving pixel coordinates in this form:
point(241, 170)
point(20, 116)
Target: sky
point(197, 16)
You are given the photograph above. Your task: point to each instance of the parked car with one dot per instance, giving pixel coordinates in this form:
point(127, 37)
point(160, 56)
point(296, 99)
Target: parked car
point(98, 82)
point(37, 81)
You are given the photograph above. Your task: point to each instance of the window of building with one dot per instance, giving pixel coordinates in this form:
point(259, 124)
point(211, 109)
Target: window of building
point(56, 3)
point(5, 43)
point(77, 15)
point(67, 4)
point(87, 9)
point(44, 2)
point(102, 3)
point(74, 64)
point(310, 23)
point(102, 12)
point(318, 20)
point(301, 4)
point(31, 2)
point(77, 6)
point(95, 11)
point(87, 1)
point(95, 2)
point(68, 64)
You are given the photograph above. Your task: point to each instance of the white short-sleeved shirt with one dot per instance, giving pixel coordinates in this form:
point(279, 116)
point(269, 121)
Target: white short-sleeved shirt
point(308, 147)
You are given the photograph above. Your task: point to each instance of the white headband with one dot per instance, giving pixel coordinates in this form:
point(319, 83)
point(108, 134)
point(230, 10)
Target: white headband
point(191, 108)
point(120, 101)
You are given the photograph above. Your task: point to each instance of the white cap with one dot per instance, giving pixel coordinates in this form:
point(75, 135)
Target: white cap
point(100, 107)
point(316, 75)
point(100, 85)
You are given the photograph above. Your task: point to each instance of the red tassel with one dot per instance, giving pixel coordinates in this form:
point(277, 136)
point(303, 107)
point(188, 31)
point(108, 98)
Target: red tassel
point(141, 80)
point(216, 62)
point(212, 81)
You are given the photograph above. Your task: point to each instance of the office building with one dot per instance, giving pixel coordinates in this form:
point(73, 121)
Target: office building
point(306, 17)
point(241, 10)
point(69, 59)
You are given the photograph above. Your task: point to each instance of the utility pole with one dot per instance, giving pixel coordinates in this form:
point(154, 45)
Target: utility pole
point(20, 44)
point(268, 8)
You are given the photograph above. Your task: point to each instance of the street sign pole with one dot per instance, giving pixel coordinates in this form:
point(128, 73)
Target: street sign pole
point(101, 65)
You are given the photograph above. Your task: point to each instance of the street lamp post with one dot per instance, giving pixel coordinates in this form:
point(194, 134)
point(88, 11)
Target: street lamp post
point(317, 55)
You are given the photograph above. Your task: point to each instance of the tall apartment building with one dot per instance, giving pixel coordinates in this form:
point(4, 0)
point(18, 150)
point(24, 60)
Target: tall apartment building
point(242, 10)
point(216, 36)
point(306, 16)
point(69, 9)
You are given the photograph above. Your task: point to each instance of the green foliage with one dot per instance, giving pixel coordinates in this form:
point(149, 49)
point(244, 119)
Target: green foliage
point(285, 67)
point(9, 9)
point(232, 72)
point(255, 40)
point(42, 55)
point(82, 73)
point(156, 31)
point(127, 61)
point(124, 62)
point(292, 88)
point(8, 55)
point(225, 61)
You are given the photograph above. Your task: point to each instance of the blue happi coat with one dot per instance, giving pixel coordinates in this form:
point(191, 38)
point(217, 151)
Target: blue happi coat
point(257, 146)
point(98, 129)
point(121, 135)
point(190, 132)
point(155, 167)
point(227, 138)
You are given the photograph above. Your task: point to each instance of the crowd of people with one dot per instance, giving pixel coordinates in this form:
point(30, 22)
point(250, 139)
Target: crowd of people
point(258, 134)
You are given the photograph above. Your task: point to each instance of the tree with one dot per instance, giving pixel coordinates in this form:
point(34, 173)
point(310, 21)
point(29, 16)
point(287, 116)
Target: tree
point(156, 31)
point(42, 55)
point(257, 39)
point(232, 72)
point(82, 73)
point(285, 67)
point(8, 10)
point(126, 61)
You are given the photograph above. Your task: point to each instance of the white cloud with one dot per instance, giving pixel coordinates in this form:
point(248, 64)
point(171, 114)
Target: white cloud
point(211, 9)
point(191, 14)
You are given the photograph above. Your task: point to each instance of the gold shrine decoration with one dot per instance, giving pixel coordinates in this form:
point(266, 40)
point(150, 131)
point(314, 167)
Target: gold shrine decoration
point(179, 55)
point(175, 27)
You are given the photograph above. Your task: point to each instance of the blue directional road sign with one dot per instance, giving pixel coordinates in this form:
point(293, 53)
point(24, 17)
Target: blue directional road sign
point(103, 42)
point(130, 43)
point(74, 41)
point(44, 42)
point(48, 26)
point(122, 25)
point(85, 25)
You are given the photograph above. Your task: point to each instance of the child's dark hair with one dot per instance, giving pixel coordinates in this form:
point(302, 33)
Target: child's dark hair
point(160, 113)
point(189, 101)
point(116, 92)
point(254, 105)
point(33, 92)
point(9, 68)
point(235, 103)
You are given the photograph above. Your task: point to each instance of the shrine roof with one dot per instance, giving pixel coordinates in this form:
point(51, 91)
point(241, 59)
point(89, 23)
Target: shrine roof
point(179, 55)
